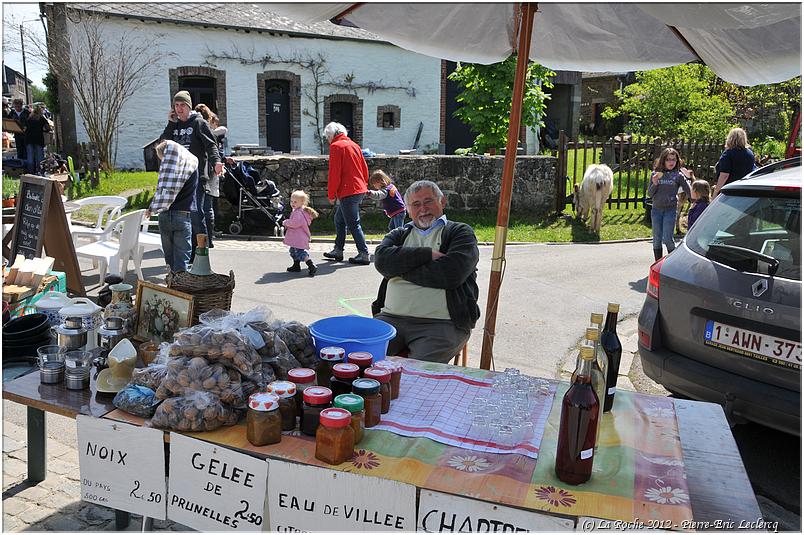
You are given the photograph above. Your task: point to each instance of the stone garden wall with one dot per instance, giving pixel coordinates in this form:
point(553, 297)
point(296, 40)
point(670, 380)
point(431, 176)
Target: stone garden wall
point(470, 183)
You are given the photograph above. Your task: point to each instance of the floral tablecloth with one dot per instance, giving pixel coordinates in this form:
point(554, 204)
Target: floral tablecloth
point(638, 471)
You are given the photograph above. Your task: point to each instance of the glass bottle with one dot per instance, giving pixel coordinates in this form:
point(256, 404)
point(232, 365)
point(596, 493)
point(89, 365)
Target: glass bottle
point(286, 392)
point(302, 378)
point(596, 321)
point(343, 374)
point(396, 375)
point(362, 359)
point(598, 377)
point(611, 345)
point(327, 358)
point(384, 378)
point(354, 404)
point(263, 421)
point(369, 390)
point(580, 411)
point(316, 399)
point(334, 438)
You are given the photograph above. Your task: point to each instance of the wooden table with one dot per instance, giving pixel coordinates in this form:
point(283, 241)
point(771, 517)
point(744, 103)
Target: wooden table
point(717, 482)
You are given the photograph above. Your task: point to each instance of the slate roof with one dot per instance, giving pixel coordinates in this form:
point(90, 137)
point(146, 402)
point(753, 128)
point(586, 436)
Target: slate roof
point(241, 16)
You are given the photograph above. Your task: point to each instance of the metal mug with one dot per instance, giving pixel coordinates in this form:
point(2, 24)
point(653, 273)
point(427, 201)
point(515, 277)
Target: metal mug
point(71, 334)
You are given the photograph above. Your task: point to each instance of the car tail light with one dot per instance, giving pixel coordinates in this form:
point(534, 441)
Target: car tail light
point(644, 339)
point(653, 278)
point(787, 188)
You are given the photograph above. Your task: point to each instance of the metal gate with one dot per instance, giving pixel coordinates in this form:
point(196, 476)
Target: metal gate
point(631, 161)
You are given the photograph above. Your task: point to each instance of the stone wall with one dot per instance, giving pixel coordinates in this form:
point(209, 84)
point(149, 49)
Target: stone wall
point(470, 183)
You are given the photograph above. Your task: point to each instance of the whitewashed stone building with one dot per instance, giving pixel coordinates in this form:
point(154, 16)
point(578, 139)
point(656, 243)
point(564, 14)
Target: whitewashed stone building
point(246, 64)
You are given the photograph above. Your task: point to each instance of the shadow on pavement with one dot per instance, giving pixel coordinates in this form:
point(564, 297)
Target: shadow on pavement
point(640, 286)
point(325, 267)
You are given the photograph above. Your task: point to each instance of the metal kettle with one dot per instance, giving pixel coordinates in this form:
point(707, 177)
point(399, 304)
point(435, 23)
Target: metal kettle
point(71, 334)
point(110, 333)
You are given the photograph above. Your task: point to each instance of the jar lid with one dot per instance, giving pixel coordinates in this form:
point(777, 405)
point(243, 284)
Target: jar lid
point(346, 370)
point(317, 395)
point(263, 402)
point(365, 387)
point(388, 365)
point(613, 307)
point(52, 300)
point(79, 306)
point(301, 375)
point(283, 389)
point(361, 358)
point(350, 402)
point(332, 354)
point(380, 374)
point(336, 418)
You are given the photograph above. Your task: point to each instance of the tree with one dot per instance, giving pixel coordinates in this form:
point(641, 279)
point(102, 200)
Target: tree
point(674, 102)
point(102, 69)
point(486, 99)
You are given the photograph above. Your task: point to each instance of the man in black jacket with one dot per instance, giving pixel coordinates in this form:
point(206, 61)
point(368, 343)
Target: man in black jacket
point(187, 128)
point(429, 290)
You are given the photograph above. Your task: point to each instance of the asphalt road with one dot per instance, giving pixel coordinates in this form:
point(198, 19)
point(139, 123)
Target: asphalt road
point(547, 295)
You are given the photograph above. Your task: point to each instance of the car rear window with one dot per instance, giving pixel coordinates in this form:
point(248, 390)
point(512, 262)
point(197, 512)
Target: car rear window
point(768, 225)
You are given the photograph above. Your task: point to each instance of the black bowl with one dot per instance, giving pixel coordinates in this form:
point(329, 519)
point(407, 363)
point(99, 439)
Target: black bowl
point(40, 339)
point(25, 326)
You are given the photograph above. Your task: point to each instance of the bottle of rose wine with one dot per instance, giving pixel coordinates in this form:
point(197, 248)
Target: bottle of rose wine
point(580, 412)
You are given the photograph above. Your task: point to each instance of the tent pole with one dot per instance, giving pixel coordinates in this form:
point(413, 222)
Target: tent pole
point(503, 211)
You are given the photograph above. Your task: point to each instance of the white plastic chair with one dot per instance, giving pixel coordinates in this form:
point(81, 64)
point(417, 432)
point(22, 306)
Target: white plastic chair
point(109, 207)
point(147, 240)
point(116, 254)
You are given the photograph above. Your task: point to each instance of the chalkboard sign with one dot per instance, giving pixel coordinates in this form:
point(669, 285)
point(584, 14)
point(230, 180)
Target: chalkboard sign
point(40, 222)
point(29, 226)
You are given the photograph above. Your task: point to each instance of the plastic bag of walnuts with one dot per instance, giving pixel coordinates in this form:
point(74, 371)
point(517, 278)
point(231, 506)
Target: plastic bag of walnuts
point(298, 340)
point(218, 343)
point(195, 411)
point(150, 376)
point(185, 374)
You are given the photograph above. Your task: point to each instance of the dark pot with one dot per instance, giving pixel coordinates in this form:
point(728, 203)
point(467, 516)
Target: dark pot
point(25, 327)
point(41, 339)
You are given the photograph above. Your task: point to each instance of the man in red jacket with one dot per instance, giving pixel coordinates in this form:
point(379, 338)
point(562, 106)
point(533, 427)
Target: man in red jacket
point(347, 184)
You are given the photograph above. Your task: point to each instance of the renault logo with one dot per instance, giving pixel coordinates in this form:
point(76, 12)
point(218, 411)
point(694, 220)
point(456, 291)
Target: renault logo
point(759, 287)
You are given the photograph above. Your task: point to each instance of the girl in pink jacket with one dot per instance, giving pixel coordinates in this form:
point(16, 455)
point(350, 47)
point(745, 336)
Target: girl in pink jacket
point(297, 232)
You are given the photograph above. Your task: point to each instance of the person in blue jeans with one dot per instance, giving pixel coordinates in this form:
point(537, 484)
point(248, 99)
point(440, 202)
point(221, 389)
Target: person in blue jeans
point(668, 175)
point(174, 201)
point(35, 129)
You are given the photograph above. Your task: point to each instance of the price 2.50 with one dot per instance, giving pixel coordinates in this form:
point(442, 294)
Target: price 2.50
point(251, 518)
point(153, 497)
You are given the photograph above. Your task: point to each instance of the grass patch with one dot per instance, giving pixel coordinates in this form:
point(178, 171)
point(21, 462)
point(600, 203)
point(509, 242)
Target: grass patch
point(619, 224)
point(137, 186)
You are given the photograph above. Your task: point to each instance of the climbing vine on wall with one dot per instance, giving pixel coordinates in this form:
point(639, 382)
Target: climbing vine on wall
point(315, 65)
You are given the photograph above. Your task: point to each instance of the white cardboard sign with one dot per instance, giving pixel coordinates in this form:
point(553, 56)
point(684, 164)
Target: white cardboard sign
point(309, 498)
point(440, 512)
point(213, 488)
point(122, 466)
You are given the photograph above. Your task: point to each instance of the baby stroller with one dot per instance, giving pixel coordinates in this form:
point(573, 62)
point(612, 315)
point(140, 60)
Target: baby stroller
point(258, 202)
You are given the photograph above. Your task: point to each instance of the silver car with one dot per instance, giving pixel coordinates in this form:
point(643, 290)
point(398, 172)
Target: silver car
point(722, 317)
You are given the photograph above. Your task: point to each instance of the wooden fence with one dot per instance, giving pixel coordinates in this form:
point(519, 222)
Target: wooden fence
point(632, 163)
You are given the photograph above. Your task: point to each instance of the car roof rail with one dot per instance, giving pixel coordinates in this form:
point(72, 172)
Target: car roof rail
point(770, 168)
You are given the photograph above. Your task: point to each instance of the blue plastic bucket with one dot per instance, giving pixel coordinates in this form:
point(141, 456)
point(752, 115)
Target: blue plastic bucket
point(353, 333)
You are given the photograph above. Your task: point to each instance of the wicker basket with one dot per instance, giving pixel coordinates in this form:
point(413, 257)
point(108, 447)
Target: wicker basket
point(208, 291)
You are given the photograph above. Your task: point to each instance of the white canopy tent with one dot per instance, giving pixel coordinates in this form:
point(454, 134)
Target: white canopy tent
point(746, 44)
point(743, 43)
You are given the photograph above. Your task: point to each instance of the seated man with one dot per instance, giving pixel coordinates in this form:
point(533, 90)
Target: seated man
point(429, 290)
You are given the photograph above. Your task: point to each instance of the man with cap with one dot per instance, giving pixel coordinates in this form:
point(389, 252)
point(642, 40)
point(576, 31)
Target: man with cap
point(190, 130)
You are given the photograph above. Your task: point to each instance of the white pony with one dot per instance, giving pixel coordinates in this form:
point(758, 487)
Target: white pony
point(588, 199)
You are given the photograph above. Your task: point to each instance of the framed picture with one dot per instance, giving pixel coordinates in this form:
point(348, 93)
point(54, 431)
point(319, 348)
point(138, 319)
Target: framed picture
point(161, 312)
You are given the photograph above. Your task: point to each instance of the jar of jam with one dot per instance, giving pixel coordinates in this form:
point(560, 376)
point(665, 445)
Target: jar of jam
point(334, 439)
point(286, 392)
point(354, 404)
point(343, 374)
point(302, 378)
point(362, 359)
point(384, 377)
point(263, 421)
point(396, 375)
point(369, 390)
point(316, 399)
point(327, 358)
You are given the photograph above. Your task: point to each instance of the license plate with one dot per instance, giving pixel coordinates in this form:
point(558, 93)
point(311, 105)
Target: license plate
point(779, 351)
